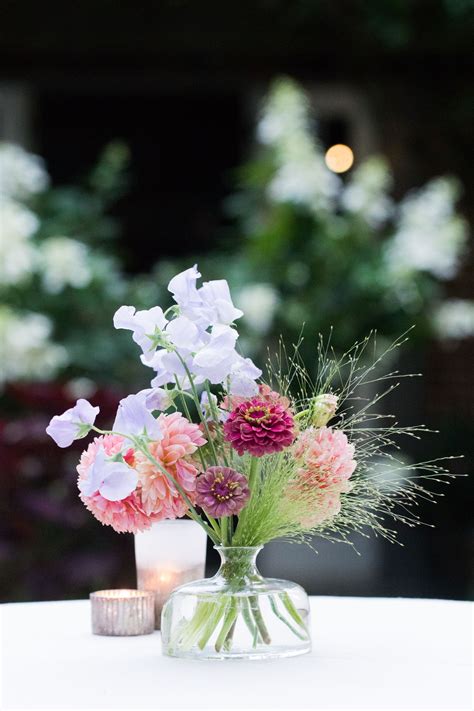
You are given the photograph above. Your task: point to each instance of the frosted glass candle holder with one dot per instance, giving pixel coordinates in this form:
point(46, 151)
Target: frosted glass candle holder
point(168, 555)
point(122, 613)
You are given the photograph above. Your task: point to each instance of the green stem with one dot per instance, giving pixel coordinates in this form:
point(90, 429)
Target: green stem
point(230, 636)
point(229, 619)
point(225, 530)
point(288, 603)
point(215, 416)
point(198, 406)
point(252, 477)
point(248, 619)
point(259, 621)
point(278, 614)
point(212, 521)
point(254, 468)
point(212, 622)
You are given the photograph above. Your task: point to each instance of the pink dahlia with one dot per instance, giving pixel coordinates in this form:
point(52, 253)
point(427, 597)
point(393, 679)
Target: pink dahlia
point(327, 456)
point(125, 516)
point(326, 505)
point(259, 427)
point(180, 439)
point(222, 491)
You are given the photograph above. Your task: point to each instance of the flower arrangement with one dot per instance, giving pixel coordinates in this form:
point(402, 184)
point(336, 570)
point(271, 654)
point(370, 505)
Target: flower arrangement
point(290, 457)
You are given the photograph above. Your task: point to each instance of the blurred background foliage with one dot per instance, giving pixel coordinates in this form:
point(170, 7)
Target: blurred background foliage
point(340, 256)
point(385, 245)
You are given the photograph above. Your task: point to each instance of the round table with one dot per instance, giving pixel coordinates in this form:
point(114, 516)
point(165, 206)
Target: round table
point(368, 653)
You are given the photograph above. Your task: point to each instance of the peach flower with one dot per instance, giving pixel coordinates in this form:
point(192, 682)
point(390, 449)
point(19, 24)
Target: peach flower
point(180, 439)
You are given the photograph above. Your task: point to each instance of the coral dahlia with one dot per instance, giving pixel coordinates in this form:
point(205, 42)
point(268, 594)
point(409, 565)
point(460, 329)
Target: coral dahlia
point(180, 439)
point(259, 427)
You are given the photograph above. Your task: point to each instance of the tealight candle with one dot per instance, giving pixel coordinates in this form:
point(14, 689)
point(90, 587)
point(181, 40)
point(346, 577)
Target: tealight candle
point(168, 555)
point(122, 612)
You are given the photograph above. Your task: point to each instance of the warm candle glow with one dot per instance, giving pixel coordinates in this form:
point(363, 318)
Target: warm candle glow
point(125, 593)
point(122, 612)
point(339, 158)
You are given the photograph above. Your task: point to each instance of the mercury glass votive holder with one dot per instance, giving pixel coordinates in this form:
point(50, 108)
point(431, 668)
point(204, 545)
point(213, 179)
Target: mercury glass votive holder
point(171, 553)
point(122, 613)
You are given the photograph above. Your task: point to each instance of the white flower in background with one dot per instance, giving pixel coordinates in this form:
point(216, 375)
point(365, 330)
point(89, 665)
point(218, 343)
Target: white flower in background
point(366, 192)
point(285, 113)
point(259, 302)
point(26, 351)
point(17, 253)
point(307, 182)
point(21, 174)
point(430, 236)
point(454, 319)
point(64, 262)
point(80, 387)
point(302, 176)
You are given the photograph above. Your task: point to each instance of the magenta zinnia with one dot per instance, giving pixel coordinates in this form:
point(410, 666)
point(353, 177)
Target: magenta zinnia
point(259, 427)
point(222, 491)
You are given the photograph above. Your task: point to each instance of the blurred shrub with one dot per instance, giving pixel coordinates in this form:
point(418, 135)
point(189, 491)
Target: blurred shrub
point(334, 252)
point(60, 283)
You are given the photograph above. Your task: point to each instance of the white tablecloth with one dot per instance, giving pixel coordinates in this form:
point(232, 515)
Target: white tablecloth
point(369, 653)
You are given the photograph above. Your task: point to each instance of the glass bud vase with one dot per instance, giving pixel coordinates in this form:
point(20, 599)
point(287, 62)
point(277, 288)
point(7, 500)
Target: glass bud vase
point(237, 614)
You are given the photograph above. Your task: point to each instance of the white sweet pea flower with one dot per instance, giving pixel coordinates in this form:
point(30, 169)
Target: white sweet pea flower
point(73, 424)
point(113, 480)
point(242, 377)
point(216, 297)
point(185, 293)
point(214, 361)
point(156, 398)
point(144, 324)
point(169, 367)
point(134, 417)
point(209, 305)
point(185, 335)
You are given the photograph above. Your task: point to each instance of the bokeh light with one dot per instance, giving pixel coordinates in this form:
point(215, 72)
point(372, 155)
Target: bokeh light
point(339, 158)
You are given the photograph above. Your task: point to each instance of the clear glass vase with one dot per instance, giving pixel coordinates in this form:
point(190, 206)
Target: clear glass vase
point(237, 614)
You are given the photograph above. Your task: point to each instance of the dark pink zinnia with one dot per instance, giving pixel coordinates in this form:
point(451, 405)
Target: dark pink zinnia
point(259, 427)
point(222, 491)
